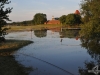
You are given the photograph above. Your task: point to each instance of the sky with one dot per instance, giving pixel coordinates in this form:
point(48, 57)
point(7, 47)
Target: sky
point(24, 10)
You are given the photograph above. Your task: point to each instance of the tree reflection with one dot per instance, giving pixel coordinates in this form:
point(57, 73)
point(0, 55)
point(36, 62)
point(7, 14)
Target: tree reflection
point(88, 66)
point(9, 66)
point(40, 33)
point(93, 49)
point(92, 46)
point(69, 33)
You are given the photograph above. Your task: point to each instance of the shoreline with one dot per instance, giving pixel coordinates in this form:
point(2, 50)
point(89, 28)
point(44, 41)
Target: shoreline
point(8, 64)
point(12, 45)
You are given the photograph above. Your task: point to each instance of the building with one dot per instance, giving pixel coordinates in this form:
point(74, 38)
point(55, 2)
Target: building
point(53, 21)
point(56, 21)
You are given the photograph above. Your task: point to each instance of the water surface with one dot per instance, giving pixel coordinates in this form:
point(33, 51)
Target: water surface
point(51, 54)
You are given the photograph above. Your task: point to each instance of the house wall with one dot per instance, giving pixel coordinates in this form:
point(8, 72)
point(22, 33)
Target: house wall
point(52, 22)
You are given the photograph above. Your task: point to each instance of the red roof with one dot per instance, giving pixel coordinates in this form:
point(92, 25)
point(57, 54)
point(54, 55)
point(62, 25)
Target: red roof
point(77, 12)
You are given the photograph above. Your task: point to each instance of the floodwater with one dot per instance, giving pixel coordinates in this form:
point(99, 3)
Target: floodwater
point(52, 53)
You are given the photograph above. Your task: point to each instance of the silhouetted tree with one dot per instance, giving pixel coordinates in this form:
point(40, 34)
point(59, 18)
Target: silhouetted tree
point(4, 17)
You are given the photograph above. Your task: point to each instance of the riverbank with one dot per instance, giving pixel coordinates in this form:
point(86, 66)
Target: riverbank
point(38, 27)
point(12, 45)
point(8, 64)
point(29, 28)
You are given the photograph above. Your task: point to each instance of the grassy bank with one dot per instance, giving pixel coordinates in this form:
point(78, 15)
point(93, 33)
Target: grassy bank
point(34, 27)
point(8, 64)
point(12, 45)
point(38, 27)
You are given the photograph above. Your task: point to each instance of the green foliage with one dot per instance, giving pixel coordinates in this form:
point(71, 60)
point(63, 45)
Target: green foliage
point(73, 19)
point(4, 16)
point(90, 30)
point(63, 19)
point(40, 18)
point(90, 9)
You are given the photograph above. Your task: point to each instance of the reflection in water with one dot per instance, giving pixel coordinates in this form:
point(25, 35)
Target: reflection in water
point(40, 33)
point(93, 49)
point(51, 55)
point(9, 66)
point(69, 33)
point(61, 40)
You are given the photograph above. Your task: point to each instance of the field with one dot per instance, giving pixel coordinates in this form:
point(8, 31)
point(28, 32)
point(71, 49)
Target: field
point(34, 27)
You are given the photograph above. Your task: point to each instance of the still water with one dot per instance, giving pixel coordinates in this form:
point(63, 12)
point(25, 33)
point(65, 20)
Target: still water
point(52, 53)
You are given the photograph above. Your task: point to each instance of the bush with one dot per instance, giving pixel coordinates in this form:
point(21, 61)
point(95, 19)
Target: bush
point(2, 39)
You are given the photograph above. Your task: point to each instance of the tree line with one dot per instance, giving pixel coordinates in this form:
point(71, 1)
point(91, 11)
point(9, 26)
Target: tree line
point(40, 18)
point(70, 19)
point(90, 20)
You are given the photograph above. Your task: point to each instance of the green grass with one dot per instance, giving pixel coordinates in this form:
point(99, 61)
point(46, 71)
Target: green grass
point(38, 27)
point(34, 27)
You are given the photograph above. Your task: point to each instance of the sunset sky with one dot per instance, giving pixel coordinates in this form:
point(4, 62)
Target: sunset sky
point(26, 9)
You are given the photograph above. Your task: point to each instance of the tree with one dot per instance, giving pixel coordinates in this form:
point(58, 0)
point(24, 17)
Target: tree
point(91, 13)
point(40, 18)
point(4, 16)
point(73, 19)
point(63, 19)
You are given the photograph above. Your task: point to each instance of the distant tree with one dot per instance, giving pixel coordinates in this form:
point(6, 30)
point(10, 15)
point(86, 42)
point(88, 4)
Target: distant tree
point(24, 23)
point(40, 18)
point(63, 19)
point(56, 18)
point(73, 19)
point(4, 16)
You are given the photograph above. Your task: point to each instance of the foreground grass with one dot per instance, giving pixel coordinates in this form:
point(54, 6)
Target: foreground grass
point(8, 64)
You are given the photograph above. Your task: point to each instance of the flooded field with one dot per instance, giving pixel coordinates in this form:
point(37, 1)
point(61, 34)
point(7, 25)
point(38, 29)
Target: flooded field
point(52, 53)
